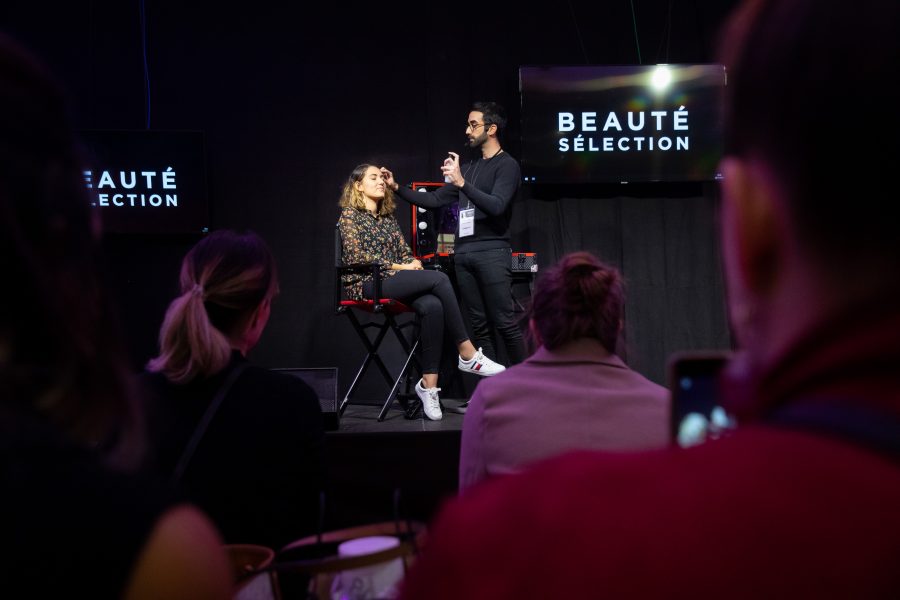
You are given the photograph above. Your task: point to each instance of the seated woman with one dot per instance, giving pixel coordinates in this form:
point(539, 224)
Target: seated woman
point(573, 392)
point(257, 470)
point(77, 518)
point(370, 234)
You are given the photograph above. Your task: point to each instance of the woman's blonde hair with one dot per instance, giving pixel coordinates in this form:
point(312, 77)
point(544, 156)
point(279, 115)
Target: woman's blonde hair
point(353, 198)
point(224, 279)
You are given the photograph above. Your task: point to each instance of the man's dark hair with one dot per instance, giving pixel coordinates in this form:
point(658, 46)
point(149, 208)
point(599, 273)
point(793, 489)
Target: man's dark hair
point(808, 87)
point(494, 114)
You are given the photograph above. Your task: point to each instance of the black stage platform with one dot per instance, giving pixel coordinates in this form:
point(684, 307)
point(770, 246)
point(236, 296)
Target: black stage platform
point(374, 466)
point(362, 418)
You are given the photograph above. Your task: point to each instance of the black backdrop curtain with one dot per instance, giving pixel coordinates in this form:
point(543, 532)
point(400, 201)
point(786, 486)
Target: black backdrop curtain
point(663, 238)
point(291, 96)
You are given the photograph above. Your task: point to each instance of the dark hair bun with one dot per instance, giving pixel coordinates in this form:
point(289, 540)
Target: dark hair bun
point(578, 297)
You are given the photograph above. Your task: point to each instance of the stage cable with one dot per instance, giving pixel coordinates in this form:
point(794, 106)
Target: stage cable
point(578, 33)
point(669, 30)
point(92, 61)
point(666, 35)
point(637, 42)
point(146, 66)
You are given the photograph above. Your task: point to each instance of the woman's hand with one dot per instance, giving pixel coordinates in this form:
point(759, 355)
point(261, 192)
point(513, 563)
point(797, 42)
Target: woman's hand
point(450, 169)
point(389, 179)
point(415, 265)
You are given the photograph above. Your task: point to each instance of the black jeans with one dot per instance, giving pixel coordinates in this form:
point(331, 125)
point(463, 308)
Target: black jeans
point(484, 278)
point(431, 295)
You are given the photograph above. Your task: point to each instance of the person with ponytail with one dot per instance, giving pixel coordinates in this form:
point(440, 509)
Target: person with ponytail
point(573, 392)
point(241, 441)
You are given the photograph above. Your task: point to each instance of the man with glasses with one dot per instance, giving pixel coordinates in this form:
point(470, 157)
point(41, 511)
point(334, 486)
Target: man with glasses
point(485, 188)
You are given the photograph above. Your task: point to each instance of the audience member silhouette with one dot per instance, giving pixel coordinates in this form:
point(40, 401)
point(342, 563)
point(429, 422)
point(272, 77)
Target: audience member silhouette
point(76, 519)
point(800, 500)
point(573, 392)
point(244, 443)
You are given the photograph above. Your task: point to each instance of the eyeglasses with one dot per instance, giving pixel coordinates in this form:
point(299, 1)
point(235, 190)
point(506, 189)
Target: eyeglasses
point(473, 125)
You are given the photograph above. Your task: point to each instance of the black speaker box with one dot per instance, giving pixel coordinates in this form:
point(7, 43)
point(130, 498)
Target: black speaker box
point(323, 381)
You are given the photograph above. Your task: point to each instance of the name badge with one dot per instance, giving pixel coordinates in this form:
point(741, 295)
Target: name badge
point(466, 222)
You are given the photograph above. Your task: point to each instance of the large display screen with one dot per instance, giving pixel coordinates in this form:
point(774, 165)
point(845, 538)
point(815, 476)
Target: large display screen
point(621, 123)
point(147, 181)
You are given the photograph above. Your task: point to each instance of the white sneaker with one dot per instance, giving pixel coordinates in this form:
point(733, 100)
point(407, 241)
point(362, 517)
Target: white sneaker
point(480, 365)
point(431, 402)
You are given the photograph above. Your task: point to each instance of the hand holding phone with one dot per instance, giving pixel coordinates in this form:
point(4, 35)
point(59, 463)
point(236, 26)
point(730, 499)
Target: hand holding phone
point(697, 414)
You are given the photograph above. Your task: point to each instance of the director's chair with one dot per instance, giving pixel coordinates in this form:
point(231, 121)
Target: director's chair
point(388, 309)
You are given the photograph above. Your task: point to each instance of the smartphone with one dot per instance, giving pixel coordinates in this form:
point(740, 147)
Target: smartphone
point(697, 414)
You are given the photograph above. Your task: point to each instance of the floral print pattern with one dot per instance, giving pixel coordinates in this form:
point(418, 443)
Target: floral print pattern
point(368, 238)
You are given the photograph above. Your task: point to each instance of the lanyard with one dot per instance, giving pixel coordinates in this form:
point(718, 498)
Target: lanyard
point(475, 172)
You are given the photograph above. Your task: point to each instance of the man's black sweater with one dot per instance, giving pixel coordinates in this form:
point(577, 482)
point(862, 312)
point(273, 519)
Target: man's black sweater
point(490, 188)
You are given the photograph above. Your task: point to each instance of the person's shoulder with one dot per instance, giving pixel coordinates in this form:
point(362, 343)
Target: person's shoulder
point(526, 374)
point(349, 212)
point(651, 387)
point(634, 379)
point(632, 482)
point(495, 387)
point(619, 483)
point(509, 161)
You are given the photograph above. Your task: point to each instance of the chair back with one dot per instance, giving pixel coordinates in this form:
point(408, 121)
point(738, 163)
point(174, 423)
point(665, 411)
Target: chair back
point(374, 269)
point(326, 558)
point(338, 263)
point(250, 569)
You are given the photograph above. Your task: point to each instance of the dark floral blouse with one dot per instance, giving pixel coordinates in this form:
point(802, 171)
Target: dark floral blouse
point(366, 238)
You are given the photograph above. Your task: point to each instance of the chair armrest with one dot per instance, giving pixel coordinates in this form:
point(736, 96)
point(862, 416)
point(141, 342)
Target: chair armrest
point(373, 268)
point(357, 267)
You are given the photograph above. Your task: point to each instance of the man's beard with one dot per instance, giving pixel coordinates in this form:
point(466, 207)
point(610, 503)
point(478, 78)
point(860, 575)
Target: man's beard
point(477, 142)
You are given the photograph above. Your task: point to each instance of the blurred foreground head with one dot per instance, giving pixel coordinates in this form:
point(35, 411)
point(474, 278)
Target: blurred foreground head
point(60, 357)
point(811, 150)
